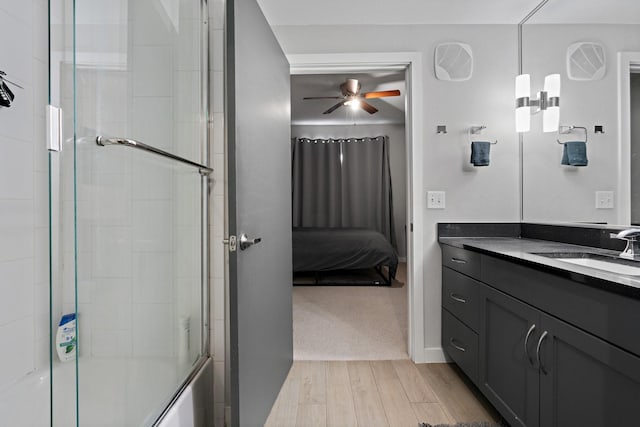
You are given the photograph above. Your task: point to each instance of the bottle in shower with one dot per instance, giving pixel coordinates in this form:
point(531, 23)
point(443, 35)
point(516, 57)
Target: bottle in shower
point(66, 341)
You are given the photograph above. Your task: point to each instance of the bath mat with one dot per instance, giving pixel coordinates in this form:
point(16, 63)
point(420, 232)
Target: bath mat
point(472, 424)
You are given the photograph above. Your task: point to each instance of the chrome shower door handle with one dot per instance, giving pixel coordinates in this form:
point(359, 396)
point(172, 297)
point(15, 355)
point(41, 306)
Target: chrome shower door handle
point(246, 242)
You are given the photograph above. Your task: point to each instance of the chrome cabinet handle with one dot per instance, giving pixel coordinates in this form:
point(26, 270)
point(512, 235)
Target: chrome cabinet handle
point(458, 260)
point(526, 341)
point(457, 347)
point(457, 298)
point(542, 337)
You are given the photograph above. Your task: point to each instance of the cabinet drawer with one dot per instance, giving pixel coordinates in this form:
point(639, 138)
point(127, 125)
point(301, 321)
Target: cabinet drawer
point(461, 344)
point(461, 260)
point(460, 295)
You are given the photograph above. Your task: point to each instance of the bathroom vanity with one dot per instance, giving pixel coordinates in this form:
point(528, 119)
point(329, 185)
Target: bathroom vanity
point(549, 341)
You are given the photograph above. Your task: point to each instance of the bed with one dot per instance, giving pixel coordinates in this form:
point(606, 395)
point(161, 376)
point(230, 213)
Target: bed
point(320, 250)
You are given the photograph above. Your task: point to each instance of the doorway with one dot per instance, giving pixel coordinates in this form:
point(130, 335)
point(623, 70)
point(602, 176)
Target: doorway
point(409, 64)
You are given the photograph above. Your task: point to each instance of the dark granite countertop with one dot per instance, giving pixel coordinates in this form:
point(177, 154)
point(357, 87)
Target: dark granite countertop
point(523, 251)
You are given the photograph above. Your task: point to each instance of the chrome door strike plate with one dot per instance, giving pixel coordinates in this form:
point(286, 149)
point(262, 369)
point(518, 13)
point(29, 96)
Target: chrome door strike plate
point(231, 241)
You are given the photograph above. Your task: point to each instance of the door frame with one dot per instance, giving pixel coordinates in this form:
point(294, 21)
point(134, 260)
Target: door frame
point(332, 63)
point(626, 62)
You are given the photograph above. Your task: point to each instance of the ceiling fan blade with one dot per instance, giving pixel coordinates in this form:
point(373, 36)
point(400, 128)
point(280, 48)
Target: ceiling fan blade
point(335, 107)
point(322, 97)
point(368, 107)
point(381, 94)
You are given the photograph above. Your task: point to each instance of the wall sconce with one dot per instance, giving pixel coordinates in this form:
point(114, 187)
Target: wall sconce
point(548, 102)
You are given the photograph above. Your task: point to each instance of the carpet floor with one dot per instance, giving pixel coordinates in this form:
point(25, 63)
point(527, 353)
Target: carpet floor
point(349, 323)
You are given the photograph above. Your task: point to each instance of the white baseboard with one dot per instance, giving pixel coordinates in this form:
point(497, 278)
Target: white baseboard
point(432, 355)
point(402, 259)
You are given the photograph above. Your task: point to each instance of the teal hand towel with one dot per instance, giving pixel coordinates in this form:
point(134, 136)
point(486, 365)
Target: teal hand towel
point(574, 153)
point(480, 153)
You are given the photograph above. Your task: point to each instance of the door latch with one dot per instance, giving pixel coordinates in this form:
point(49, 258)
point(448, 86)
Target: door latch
point(231, 242)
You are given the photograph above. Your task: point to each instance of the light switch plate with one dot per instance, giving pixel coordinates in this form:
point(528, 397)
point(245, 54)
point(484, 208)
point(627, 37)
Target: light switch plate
point(435, 199)
point(604, 199)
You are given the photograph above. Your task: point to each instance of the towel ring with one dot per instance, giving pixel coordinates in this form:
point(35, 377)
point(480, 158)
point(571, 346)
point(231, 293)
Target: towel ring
point(477, 130)
point(568, 129)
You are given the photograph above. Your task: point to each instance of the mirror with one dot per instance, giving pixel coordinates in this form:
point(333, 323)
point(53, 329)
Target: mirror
point(583, 41)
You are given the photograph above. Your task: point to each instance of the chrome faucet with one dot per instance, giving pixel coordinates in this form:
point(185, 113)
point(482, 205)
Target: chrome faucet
point(632, 236)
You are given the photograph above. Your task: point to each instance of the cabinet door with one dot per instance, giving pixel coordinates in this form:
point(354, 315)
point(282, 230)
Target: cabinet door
point(585, 381)
point(508, 376)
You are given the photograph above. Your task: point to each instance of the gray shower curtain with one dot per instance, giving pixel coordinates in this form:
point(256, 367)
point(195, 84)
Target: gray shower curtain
point(341, 183)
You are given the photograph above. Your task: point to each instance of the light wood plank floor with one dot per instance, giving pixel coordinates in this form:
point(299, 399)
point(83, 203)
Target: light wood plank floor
point(376, 393)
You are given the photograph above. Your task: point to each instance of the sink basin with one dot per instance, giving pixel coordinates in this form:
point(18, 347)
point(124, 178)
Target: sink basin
point(597, 261)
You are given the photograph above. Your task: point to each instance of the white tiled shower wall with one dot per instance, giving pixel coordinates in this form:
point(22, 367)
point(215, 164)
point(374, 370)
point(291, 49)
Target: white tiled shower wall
point(24, 293)
point(217, 203)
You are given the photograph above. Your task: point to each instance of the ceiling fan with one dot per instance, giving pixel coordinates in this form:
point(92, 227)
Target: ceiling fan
point(352, 97)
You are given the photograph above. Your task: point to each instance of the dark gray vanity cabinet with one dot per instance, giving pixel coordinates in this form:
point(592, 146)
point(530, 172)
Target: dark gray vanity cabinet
point(534, 350)
point(508, 376)
point(585, 381)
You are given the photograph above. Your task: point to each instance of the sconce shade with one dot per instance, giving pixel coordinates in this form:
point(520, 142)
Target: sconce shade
point(523, 93)
point(551, 115)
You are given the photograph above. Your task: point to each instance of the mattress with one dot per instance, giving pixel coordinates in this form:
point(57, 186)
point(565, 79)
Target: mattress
point(326, 249)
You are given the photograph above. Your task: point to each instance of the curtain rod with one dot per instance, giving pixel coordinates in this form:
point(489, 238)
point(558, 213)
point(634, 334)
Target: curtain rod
point(334, 140)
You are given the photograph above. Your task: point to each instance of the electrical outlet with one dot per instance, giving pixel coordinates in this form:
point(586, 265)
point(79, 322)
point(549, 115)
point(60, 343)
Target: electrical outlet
point(435, 199)
point(604, 199)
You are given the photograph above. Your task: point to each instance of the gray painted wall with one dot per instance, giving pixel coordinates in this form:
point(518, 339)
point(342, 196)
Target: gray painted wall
point(472, 194)
point(397, 159)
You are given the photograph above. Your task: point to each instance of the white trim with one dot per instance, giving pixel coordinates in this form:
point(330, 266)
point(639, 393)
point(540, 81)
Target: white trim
point(626, 61)
point(434, 355)
point(411, 62)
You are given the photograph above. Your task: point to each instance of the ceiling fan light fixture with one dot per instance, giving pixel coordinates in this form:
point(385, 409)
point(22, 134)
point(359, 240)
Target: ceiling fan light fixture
point(354, 103)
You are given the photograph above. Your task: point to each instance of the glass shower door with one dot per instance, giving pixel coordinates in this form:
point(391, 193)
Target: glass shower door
point(128, 224)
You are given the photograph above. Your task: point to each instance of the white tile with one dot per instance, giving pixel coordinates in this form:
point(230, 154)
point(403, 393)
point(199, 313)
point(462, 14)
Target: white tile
point(219, 174)
point(152, 71)
point(152, 231)
point(16, 229)
point(187, 205)
point(108, 343)
point(111, 304)
point(21, 10)
point(40, 90)
point(217, 92)
point(218, 303)
point(187, 143)
point(187, 96)
point(187, 250)
point(113, 254)
point(153, 23)
point(216, 13)
point(153, 330)
point(218, 133)
point(152, 178)
point(217, 215)
point(218, 381)
point(153, 121)
point(17, 290)
point(18, 359)
point(41, 311)
point(218, 339)
point(41, 155)
point(216, 49)
point(110, 200)
point(40, 30)
point(152, 277)
point(16, 169)
point(41, 198)
point(187, 46)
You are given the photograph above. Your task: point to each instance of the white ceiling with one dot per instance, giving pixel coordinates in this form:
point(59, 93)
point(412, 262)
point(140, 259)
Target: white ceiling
point(309, 112)
point(398, 12)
